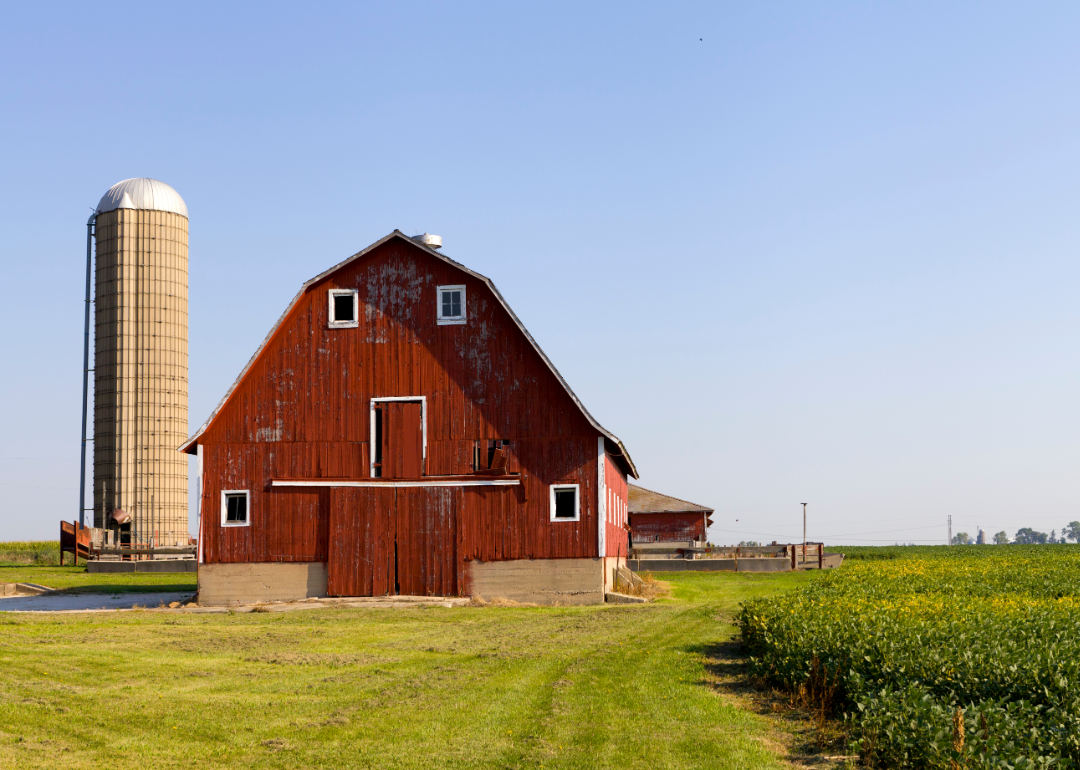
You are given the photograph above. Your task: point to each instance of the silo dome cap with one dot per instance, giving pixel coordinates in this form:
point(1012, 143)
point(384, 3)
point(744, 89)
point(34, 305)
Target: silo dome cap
point(142, 193)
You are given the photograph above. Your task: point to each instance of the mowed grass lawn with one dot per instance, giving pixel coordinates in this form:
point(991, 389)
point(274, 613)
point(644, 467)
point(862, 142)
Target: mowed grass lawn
point(494, 687)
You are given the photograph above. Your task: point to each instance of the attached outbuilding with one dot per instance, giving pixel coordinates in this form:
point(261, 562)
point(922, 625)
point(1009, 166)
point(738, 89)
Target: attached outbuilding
point(399, 431)
point(657, 518)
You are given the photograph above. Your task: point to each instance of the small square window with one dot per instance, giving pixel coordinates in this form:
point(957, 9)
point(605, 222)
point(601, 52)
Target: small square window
point(344, 308)
point(451, 304)
point(235, 505)
point(565, 502)
point(450, 307)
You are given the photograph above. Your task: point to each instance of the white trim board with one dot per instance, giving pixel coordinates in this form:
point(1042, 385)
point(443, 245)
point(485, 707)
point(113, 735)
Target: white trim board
point(199, 486)
point(371, 427)
point(601, 496)
point(391, 483)
point(186, 446)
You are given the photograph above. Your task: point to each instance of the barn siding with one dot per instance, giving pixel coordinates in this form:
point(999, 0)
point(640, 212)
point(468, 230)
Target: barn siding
point(302, 411)
point(615, 480)
point(668, 527)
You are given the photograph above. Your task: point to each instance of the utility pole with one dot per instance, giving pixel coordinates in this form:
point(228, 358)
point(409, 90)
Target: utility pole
point(950, 530)
point(804, 532)
point(86, 372)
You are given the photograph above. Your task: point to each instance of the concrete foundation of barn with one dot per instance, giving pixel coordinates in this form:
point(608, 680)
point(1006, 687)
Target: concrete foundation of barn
point(531, 581)
point(539, 581)
point(249, 582)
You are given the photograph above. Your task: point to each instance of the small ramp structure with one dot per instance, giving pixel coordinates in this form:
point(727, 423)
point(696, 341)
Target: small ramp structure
point(74, 539)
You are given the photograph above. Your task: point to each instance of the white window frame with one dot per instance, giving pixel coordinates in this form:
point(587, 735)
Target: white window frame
point(440, 320)
point(371, 426)
point(577, 501)
point(334, 324)
point(225, 507)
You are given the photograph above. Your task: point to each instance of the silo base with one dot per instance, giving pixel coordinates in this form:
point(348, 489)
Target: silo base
point(160, 565)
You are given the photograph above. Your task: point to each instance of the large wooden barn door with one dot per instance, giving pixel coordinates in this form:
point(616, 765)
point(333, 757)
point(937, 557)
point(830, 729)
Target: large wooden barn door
point(402, 440)
point(361, 559)
point(386, 541)
point(427, 540)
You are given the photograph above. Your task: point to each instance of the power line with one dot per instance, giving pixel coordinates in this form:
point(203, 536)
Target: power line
point(879, 532)
point(860, 536)
point(877, 521)
point(31, 486)
point(846, 534)
point(935, 541)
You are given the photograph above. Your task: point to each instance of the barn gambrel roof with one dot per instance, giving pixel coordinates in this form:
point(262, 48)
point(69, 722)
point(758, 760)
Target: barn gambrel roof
point(620, 450)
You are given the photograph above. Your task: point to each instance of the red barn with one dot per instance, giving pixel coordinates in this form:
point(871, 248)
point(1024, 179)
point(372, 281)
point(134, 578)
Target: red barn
point(657, 518)
point(400, 432)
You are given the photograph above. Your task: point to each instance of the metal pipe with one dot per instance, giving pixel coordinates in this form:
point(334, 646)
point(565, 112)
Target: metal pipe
point(86, 370)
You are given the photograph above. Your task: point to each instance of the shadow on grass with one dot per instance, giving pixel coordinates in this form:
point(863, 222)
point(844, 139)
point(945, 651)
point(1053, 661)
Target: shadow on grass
point(810, 740)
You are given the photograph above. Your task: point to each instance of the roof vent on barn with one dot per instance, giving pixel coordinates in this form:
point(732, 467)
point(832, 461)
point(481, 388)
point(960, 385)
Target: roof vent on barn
point(429, 240)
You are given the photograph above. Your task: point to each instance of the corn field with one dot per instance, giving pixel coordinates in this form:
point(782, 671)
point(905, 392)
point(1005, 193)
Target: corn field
point(38, 552)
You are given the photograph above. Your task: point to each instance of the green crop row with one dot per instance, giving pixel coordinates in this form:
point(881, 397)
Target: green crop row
point(889, 552)
point(950, 657)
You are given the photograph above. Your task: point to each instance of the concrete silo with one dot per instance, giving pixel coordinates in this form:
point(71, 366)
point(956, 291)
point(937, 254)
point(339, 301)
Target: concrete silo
point(141, 362)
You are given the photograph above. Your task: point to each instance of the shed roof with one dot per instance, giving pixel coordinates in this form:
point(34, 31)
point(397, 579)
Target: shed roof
point(646, 501)
point(618, 450)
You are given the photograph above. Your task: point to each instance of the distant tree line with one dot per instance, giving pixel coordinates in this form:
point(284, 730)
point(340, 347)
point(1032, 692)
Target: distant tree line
point(1028, 536)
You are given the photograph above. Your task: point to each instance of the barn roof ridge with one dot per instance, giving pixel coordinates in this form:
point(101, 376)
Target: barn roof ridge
point(187, 445)
point(660, 495)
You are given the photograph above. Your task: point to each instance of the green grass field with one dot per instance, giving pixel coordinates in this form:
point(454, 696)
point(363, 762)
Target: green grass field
point(39, 562)
point(76, 579)
point(592, 687)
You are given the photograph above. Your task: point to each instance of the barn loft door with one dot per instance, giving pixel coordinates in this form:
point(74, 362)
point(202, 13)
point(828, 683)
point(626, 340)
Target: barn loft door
point(399, 452)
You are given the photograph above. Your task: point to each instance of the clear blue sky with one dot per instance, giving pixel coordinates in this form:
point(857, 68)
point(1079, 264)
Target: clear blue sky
point(788, 252)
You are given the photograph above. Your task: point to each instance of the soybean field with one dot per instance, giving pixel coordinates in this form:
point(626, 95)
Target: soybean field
point(936, 657)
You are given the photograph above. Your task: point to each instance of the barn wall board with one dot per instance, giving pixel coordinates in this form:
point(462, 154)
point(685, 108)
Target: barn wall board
point(668, 527)
point(617, 526)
